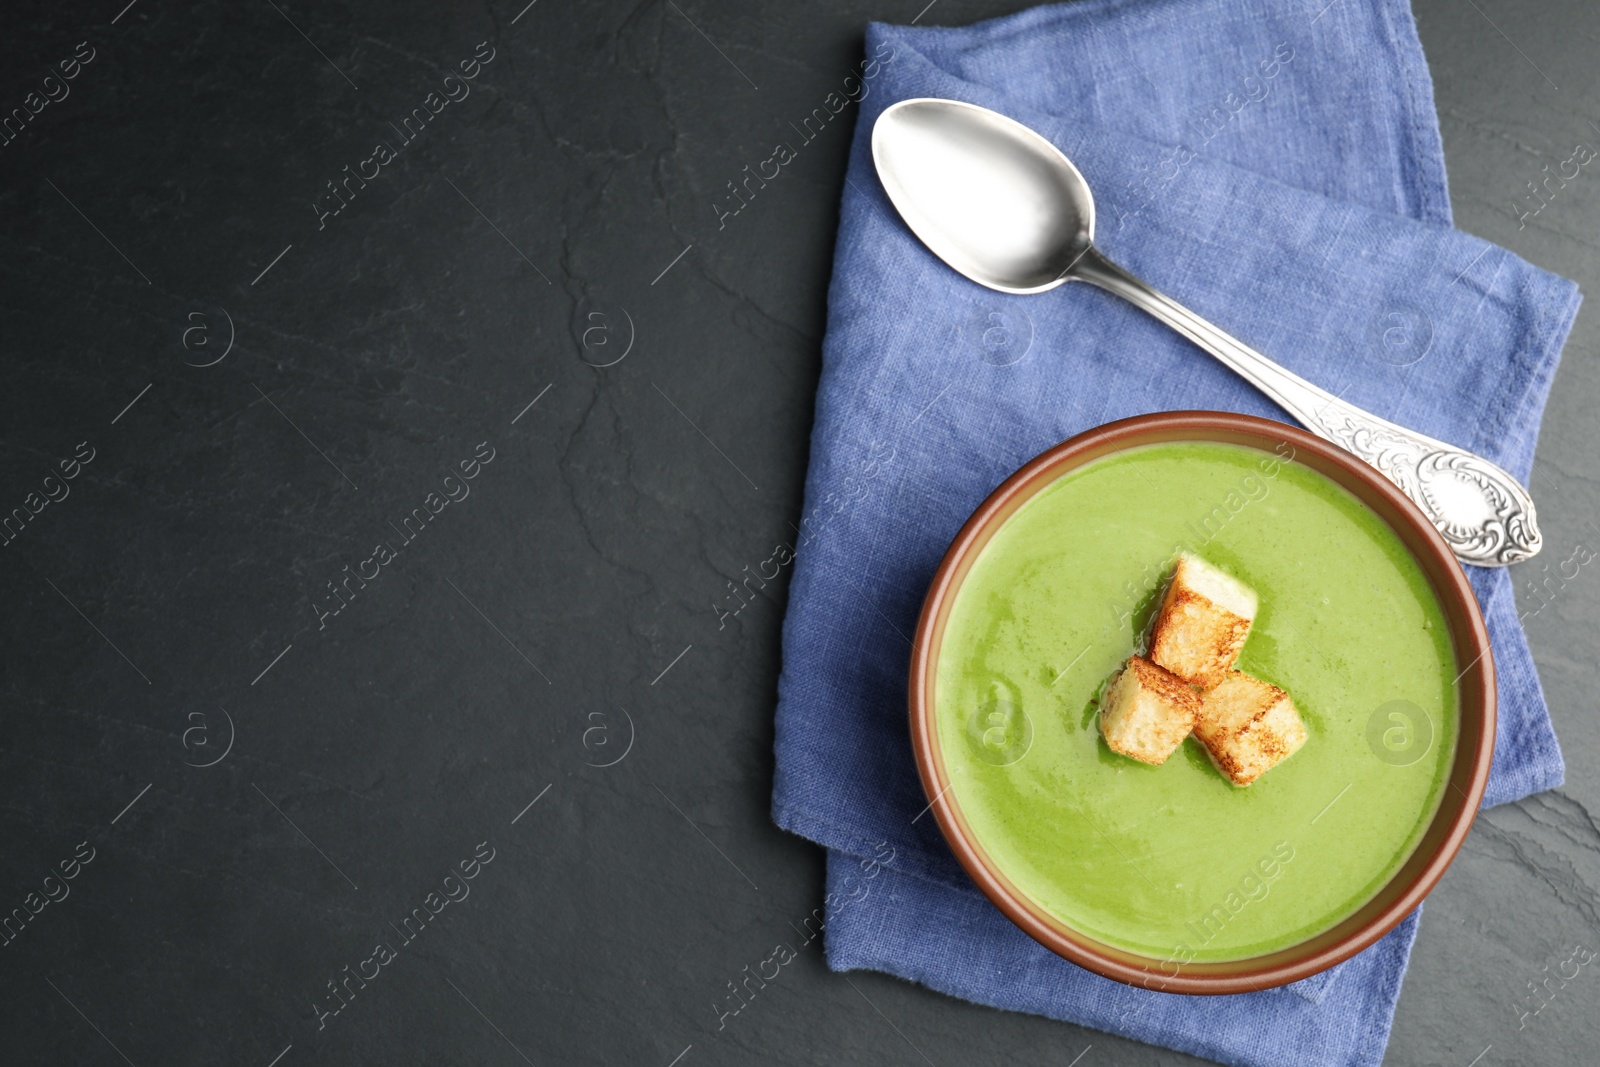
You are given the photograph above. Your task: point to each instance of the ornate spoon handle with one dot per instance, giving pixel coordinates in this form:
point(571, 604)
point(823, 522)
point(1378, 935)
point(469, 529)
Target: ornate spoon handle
point(1482, 512)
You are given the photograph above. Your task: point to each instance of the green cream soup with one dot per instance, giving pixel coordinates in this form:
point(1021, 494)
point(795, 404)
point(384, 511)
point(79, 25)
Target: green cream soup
point(1174, 861)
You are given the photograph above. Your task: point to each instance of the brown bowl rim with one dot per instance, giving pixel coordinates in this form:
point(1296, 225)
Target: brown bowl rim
point(1469, 771)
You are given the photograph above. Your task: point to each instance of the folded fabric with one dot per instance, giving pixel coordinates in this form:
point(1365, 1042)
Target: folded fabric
point(1276, 167)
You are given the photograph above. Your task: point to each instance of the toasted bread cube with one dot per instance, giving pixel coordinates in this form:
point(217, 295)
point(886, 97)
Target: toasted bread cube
point(1248, 727)
point(1147, 712)
point(1204, 620)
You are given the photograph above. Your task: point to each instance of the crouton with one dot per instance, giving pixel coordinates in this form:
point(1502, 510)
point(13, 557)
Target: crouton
point(1203, 622)
point(1147, 712)
point(1248, 727)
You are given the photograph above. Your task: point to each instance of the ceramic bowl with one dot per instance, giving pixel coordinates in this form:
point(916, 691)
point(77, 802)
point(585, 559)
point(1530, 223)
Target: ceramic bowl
point(1467, 775)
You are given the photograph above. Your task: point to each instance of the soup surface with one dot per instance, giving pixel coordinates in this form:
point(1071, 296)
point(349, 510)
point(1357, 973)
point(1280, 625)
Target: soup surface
point(1174, 861)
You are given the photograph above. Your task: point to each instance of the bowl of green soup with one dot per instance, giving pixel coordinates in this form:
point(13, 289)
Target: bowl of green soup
point(1171, 877)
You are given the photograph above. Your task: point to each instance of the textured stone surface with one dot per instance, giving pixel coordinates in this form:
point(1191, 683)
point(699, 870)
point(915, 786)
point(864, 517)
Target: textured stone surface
point(562, 611)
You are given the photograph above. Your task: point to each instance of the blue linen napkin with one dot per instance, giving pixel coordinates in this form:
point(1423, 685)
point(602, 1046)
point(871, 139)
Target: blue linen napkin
point(1279, 169)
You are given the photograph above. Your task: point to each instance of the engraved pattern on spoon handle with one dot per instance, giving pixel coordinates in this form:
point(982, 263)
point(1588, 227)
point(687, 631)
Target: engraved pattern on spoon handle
point(1485, 516)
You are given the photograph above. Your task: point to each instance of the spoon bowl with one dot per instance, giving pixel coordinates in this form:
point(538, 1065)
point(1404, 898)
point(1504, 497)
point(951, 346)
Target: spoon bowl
point(993, 199)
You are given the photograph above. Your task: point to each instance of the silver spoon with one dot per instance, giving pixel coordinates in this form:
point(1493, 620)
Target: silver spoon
point(1003, 206)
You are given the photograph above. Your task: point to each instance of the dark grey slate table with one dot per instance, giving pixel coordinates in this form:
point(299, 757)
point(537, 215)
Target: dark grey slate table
point(242, 348)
